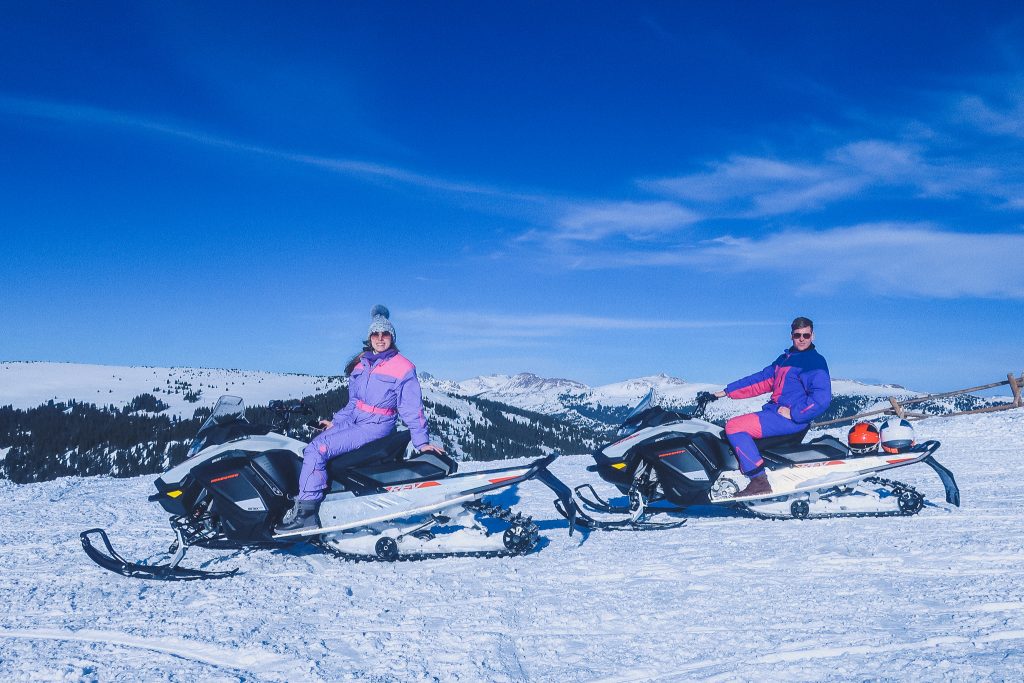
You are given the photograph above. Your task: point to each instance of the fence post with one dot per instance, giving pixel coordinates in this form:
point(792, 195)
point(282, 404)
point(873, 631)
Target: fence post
point(896, 407)
point(1015, 388)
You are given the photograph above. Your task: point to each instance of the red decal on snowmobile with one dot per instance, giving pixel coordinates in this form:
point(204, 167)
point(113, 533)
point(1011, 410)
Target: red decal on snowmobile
point(409, 487)
point(633, 436)
point(896, 460)
point(499, 480)
point(820, 464)
point(227, 476)
point(665, 455)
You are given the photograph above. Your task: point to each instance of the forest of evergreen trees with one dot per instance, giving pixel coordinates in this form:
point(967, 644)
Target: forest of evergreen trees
point(59, 440)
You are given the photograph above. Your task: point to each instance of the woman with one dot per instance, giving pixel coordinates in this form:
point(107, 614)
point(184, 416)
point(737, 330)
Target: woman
point(382, 385)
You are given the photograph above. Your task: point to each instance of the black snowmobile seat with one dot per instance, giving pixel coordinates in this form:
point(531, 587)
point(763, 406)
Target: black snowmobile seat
point(822, 449)
point(380, 462)
point(770, 442)
point(421, 467)
point(727, 458)
point(388, 449)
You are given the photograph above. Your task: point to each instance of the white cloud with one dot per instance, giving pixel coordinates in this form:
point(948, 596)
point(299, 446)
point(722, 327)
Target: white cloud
point(635, 220)
point(497, 329)
point(897, 259)
point(975, 111)
point(753, 187)
point(739, 176)
point(364, 169)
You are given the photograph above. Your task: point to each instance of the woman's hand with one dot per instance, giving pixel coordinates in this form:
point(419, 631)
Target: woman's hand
point(720, 394)
point(430, 448)
point(785, 412)
point(326, 424)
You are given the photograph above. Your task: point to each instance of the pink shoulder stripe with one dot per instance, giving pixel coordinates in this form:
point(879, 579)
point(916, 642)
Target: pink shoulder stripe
point(398, 366)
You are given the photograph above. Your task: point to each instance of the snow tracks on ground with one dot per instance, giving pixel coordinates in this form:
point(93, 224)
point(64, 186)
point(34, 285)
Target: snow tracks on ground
point(727, 597)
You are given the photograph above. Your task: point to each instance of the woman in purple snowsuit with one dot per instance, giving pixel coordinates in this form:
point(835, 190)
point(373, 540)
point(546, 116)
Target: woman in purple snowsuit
point(382, 385)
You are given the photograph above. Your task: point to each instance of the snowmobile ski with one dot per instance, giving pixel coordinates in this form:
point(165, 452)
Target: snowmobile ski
point(636, 522)
point(161, 572)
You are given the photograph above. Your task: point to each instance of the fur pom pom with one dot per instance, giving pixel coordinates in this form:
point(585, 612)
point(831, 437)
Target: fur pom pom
point(380, 309)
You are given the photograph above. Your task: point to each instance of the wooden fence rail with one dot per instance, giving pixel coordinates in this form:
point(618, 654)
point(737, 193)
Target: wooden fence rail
point(897, 407)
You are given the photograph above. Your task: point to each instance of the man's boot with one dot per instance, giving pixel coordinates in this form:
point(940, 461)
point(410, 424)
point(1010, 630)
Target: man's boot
point(758, 486)
point(302, 516)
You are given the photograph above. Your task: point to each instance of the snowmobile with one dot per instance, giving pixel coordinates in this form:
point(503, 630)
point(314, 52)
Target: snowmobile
point(386, 501)
point(663, 456)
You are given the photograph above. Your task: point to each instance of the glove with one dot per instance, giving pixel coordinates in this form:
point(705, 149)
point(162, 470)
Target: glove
point(706, 397)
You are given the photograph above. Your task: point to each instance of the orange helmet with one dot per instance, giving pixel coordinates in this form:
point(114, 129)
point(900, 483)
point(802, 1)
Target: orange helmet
point(863, 438)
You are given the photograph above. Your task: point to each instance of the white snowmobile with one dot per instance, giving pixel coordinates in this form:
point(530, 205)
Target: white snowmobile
point(386, 501)
point(665, 456)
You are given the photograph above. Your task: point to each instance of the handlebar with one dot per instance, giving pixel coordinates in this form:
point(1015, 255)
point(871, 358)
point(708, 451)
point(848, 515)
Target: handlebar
point(290, 407)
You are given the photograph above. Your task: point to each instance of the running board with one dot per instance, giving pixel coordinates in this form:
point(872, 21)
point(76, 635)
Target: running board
point(537, 470)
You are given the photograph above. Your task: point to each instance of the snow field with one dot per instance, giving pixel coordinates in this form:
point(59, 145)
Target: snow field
point(30, 384)
point(932, 597)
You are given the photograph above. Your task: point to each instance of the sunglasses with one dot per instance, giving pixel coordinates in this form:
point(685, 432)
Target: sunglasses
point(382, 335)
point(802, 335)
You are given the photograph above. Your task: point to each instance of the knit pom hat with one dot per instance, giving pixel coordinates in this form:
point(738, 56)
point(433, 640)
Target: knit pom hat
point(380, 323)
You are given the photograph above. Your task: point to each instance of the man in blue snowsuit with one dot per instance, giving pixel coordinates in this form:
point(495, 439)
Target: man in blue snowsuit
point(801, 390)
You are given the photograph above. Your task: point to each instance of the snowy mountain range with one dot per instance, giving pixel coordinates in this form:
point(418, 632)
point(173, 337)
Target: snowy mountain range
point(29, 384)
point(607, 404)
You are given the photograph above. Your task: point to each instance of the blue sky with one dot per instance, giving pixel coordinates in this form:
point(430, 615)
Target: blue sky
point(580, 189)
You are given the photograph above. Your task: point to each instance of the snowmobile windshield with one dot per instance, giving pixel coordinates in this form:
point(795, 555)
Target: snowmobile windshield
point(633, 420)
point(229, 410)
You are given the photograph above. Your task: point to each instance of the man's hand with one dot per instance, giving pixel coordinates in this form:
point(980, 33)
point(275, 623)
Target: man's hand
point(430, 448)
point(785, 412)
point(706, 397)
point(326, 424)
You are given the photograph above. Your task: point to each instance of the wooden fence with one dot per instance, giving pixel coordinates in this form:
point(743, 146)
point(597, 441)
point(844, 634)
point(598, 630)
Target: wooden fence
point(898, 407)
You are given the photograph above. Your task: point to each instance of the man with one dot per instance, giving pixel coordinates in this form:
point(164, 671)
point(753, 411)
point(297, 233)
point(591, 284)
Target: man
point(801, 390)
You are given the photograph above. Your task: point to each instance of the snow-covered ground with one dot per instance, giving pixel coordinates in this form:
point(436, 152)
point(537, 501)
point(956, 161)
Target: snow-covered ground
point(932, 597)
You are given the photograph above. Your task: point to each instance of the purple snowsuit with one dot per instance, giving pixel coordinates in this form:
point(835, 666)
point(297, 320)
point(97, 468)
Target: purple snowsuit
point(381, 387)
point(798, 380)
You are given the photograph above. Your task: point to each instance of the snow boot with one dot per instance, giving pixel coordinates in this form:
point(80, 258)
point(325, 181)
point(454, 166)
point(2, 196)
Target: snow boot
point(302, 516)
point(758, 486)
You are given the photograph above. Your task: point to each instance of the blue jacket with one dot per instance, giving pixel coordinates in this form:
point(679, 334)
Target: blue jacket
point(798, 380)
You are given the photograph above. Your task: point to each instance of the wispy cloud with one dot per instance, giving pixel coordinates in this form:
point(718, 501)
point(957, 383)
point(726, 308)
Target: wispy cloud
point(1008, 121)
point(898, 259)
point(84, 114)
point(757, 187)
point(464, 324)
point(592, 221)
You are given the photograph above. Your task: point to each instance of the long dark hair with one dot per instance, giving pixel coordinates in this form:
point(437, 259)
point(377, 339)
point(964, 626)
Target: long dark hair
point(351, 365)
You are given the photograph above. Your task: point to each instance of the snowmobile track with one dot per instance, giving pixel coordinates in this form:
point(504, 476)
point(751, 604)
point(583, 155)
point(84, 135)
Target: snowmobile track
point(528, 538)
point(897, 488)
